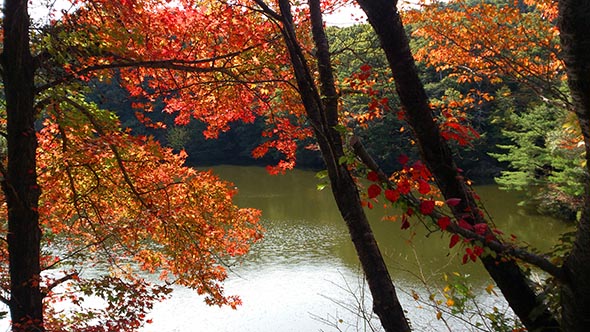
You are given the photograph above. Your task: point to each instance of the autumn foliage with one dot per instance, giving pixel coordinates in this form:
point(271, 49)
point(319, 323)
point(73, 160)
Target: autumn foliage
point(113, 199)
point(206, 60)
point(111, 192)
point(490, 42)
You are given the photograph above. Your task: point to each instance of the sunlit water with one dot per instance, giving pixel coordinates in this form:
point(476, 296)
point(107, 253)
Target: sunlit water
point(304, 275)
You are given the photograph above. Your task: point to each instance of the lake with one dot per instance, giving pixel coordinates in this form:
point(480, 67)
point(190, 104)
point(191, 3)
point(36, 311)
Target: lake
point(304, 275)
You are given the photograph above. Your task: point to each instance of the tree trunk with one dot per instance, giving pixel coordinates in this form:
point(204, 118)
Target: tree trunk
point(574, 26)
point(20, 179)
point(322, 112)
point(435, 152)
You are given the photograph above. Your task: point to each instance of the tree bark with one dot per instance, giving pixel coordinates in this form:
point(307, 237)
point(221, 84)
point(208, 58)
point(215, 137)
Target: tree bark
point(385, 20)
point(574, 25)
point(322, 111)
point(20, 178)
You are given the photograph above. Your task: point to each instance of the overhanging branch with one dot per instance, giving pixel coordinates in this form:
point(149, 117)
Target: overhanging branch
point(494, 244)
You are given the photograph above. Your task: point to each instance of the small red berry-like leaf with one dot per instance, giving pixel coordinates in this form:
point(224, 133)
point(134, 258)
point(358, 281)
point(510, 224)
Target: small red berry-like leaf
point(423, 187)
point(403, 159)
point(370, 205)
point(453, 201)
point(405, 222)
point(477, 250)
point(365, 67)
point(454, 239)
point(444, 222)
point(374, 191)
point(471, 254)
point(404, 186)
point(426, 207)
point(465, 225)
point(373, 176)
point(464, 261)
point(480, 228)
point(392, 195)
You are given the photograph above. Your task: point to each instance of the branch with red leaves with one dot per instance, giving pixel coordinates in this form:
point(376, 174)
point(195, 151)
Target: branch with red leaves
point(468, 233)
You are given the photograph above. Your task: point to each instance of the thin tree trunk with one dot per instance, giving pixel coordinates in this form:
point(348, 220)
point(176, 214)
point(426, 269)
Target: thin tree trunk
point(385, 19)
point(574, 26)
point(322, 112)
point(20, 179)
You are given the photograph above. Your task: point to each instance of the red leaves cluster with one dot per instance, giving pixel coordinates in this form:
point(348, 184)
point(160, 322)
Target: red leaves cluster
point(411, 177)
point(427, 207)
point(472, 253)
point(392, 195)
point(374, 191)
point(364, 82)
point(415, 177)
point(210, 61)
point(129, 197)
point(403, 182)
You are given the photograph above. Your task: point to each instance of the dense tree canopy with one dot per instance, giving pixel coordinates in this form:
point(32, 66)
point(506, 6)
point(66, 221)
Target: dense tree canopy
point(81, 189)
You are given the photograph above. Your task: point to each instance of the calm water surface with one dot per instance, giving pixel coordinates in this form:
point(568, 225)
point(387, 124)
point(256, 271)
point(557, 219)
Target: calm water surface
point(305, 271)
point(305, 276)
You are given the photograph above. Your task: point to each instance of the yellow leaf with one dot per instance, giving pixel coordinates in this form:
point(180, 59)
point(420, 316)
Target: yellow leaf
point(490, 289)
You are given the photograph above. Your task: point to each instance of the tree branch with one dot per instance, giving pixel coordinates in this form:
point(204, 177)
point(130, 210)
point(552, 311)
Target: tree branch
point(494, 244)
point(60, 281)
point(173, 64)
point(113, 148)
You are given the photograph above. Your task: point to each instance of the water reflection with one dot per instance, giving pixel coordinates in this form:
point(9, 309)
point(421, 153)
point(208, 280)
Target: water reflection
point(298, 271)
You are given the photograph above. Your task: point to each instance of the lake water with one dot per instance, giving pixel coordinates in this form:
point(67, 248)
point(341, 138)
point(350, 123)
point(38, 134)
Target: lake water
point(304, 275)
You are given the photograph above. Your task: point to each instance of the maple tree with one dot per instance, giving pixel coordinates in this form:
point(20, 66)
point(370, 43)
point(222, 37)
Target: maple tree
point(109, 197)
point(206, 60)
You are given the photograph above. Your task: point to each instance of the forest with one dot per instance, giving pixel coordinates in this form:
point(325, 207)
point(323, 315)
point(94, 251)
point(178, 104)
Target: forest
point(112, 110)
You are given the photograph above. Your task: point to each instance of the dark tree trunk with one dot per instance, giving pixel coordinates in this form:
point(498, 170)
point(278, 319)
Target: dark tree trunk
point(385, 19)
point(322, 111)
point(574, 26)
point(20, 179)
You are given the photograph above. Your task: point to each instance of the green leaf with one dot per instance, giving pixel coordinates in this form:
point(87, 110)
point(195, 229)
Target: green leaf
point(321, 186)
point(322, 174)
